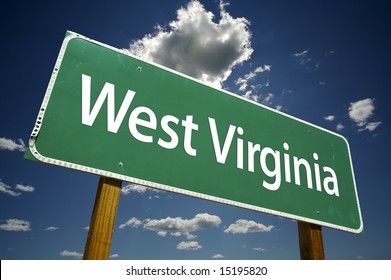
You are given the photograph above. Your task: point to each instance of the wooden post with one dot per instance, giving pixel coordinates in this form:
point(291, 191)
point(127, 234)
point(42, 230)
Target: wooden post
point(103, 219)
point(311, 241)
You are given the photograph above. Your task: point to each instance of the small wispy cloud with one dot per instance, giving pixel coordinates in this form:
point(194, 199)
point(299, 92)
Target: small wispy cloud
point(329, 118)
point(136, 188)
point(278, 107)
point(114, 256)
point(310, 61)
point(330, 52)
point(302, 57)
point(16, 225)
point(12, 145)
point(300, 54)
point(268, 99)
point(340, 126)
point(371, 126)
point(259, 249)
point(15, 192)
point(243, 81)
point(4, 188)
point(251, 87)
point(218, 256)
point(72, 254)
point(51, 228)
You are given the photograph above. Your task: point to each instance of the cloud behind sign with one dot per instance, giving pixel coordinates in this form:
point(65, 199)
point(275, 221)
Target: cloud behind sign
point(198, 45)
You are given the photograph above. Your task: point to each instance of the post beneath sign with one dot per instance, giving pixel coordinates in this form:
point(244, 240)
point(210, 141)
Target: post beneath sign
point(311, 241)
point(103, 219)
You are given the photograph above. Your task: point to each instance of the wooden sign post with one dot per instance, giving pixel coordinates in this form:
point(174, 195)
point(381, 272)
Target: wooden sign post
point(103, 219)
point(311, 241)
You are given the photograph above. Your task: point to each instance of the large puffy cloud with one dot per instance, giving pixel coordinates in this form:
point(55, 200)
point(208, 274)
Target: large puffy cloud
point(196, 45)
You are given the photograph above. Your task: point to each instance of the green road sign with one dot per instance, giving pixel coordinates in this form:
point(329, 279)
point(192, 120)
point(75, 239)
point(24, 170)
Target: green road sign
point(109, 113)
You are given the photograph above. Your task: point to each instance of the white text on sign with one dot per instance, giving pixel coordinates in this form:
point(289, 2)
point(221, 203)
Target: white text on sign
point(273, 172)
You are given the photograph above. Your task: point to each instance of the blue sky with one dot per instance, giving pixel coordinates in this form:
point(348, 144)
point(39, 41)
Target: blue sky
point(326, 62)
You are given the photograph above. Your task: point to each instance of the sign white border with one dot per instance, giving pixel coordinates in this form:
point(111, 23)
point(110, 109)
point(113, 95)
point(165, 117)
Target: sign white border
point(39, 157)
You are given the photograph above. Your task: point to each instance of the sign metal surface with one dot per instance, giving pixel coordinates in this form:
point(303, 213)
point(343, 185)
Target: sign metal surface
point(109, 113)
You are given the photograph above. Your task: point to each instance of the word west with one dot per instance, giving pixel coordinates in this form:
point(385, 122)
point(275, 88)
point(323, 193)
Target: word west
point(255, 153)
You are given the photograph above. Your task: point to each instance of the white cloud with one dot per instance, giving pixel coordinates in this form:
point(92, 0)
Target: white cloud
point(162, 233)
point(340, 126)
point(11, 145)
point(260, 249)
point(361, 112)
point(249, 95)
point(197, 45)
point(331, 52)
point(67, 253)
point(24, 188)
point(133, 222)
point(371, 126)
point(16, 225)
point(175, 226)
point(133, 188)
point(218, 256)
point(300, 54)
point(308, 62)
point(52, 228)
point(245, 226)
point(179, 226)
point(329, 118)
point(191, 236)
point(302, 57)
point(4, 188)
point(114, 256)
point(190, 245)
point(136, 188)
point(268, 99)
point(243, 81)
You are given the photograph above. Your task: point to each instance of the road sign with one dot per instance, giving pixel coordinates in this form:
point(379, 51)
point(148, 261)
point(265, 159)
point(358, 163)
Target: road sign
point(112, 114)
